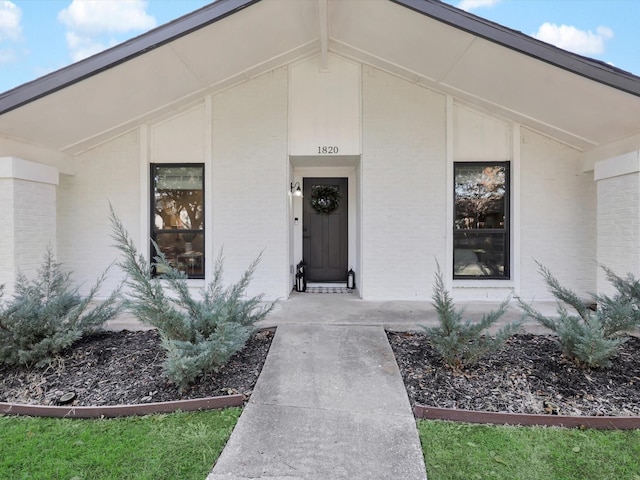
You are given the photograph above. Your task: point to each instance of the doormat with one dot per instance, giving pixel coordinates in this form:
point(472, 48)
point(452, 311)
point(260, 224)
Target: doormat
point(328, 290)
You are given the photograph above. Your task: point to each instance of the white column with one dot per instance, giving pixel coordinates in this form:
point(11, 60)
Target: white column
point(27, 216)
point(618, 181)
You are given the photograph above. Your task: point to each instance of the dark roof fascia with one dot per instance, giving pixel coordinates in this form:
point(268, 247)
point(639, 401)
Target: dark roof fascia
point(584, 66)
point(114, 56)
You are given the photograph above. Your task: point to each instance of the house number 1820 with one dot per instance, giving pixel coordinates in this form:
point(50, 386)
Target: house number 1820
point(328, 150)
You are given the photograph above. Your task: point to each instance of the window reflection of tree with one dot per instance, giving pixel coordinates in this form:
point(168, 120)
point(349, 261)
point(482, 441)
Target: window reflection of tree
point(180, 209)
point(178, 197)
point(480, 197)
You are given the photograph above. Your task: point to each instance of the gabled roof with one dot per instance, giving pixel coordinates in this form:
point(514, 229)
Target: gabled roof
point(588, 67)
point(583, 102)
point(114, 56)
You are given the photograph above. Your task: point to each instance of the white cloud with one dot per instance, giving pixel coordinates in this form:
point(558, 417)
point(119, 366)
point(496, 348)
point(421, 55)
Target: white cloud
point(92, 23)
point(10, 17)
point(475, 4)
point(96, 17)
point(85, 46)
point(573, 39)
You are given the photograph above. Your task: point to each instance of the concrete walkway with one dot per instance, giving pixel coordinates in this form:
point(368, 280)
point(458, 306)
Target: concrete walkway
point(330, 402)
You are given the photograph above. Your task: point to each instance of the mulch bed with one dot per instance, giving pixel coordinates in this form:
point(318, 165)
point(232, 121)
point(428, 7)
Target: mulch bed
point(124, 368)
point(529, 375)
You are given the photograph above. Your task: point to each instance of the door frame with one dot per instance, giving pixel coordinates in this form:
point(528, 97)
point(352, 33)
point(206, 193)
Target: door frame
point(298, 173)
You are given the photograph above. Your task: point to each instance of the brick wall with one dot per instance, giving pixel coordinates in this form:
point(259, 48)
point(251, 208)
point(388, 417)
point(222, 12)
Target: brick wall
point(7, 260)
point(403, 187)
point(34, 223)
point(618, 226)
point(28, 197)
point(250, 191)
point(107, 173)
point(558, 217)
point(248, 201)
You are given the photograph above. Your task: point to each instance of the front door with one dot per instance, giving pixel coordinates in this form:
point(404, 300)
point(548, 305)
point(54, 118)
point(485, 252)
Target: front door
point(325, 229)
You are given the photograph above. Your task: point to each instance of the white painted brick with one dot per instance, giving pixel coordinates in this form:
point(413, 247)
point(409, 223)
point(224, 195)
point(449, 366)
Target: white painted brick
point(479, 137)
point(401, 187)
point(180, 138)
point(7, 259)
point(558, 217)
point(34, 224)
point(618, 227)
point(29, 218)
point(249, 197)
point(404, 192)
point(107, 173)
point(250, 192)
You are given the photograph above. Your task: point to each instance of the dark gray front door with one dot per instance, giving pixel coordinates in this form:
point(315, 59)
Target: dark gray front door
point(325, 230)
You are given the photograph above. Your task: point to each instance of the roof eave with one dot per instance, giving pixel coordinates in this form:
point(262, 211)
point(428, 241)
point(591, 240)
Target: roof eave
point(584, 66)
point(114, 56)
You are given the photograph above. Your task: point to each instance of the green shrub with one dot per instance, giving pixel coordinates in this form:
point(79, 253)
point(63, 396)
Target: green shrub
point(199, 335)
point(460, 342)
point(591, 337)
point(48, 314)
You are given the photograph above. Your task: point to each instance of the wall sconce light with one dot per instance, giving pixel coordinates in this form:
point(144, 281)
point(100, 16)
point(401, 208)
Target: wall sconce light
point(298, 191)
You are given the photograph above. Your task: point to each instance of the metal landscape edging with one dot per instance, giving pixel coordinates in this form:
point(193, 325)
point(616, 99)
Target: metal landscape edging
point(112, 411)
point(504, 418)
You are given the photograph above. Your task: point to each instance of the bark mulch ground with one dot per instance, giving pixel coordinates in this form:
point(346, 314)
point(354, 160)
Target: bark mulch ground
point(529, 375)
point(122, 368)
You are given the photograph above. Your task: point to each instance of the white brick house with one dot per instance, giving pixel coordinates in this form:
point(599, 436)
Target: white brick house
point(457, 139)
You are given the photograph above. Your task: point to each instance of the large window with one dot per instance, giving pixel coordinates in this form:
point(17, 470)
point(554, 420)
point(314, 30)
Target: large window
point(481, 220)
point(177, 215)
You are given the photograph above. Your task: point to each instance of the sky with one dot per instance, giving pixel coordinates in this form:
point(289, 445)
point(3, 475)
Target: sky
point(41, 36)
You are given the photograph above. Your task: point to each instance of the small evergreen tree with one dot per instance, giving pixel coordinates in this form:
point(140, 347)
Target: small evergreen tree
point(591, 337)
point(460, 342)
point(48, 314)
point(199, 335)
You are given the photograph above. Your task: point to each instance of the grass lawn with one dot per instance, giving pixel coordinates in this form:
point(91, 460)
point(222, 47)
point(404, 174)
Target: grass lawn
point(177, 446)
point(473, 452)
